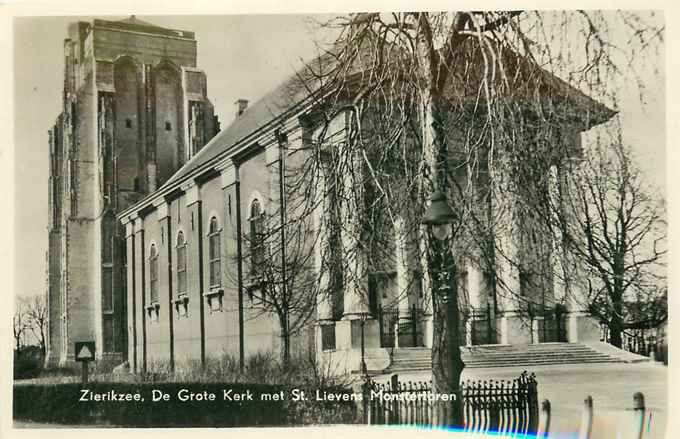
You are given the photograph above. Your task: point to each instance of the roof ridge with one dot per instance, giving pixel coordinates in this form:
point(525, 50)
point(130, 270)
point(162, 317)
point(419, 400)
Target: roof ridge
point(132, 19)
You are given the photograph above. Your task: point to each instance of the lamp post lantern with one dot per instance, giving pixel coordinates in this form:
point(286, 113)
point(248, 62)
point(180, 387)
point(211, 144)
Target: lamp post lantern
point(439, 218)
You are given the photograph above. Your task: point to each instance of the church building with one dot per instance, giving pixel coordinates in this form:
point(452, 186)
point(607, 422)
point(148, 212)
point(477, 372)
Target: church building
point(195, 258)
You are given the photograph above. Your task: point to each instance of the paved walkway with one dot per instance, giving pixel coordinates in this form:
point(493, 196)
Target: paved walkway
point(611, 386)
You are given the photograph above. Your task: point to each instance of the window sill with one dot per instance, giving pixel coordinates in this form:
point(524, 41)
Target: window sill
point(214, 298)
point(184, 298)
point(153, 306)
point(181, 305)
point(214, 291)
point(153, 310)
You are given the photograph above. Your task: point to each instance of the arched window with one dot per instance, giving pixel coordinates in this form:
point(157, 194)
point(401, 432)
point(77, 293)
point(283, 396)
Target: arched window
point(214, 253)
point(256, 235)
point(153, 274)
point(181, 264)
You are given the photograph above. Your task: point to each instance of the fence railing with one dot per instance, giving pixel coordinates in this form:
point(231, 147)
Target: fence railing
point(506, 406)
point(637, 341)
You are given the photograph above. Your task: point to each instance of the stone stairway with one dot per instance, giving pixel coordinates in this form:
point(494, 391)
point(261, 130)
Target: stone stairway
point(417, 359)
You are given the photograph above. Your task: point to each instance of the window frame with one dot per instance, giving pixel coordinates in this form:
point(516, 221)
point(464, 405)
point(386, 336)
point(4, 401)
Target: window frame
point(214, 253)
point(153, 274)
point(181, 270)
point(257, 249)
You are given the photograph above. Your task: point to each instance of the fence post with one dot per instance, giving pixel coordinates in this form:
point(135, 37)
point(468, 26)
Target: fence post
point(638, 415)
point(532, 387)
point(394, 404)
point(365, 402)
point(544, 430)
point(494, 417)
point(587, 419)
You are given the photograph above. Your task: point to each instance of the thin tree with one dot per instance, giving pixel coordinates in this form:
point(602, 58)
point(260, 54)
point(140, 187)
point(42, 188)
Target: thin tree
point(470, 103)
point(20, 323)
point(457, 102)
point(36, 315)
point(617, 229)
point(280, 240)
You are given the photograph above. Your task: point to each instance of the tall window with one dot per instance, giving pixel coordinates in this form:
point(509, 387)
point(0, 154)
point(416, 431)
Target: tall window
point(153, 273)
point(214, 253)
point(108, 327)
point(256, 235)
point(181, 264)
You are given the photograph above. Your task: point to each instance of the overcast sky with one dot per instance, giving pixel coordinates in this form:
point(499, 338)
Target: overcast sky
point(243, 57)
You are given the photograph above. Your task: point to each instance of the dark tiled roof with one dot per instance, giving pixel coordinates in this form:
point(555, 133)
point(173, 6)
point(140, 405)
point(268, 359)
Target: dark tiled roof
point(526, 79)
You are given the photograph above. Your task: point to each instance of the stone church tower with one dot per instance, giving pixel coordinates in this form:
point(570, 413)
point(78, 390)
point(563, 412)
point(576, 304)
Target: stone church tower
point(135, 109)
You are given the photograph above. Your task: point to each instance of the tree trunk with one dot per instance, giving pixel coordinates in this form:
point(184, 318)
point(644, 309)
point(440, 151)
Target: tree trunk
point(615, 330)
point(616, 320)
point(447, 364)
point(285, 340)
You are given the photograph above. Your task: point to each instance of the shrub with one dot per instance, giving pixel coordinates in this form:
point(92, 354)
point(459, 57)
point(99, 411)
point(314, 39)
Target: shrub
point(28, 362)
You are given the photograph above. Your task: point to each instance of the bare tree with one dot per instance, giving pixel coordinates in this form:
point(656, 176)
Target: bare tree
point(36, 316)
point(457, 102)
point(20, 322)
point(470, 103)
point(280, 237)
point(617, 229)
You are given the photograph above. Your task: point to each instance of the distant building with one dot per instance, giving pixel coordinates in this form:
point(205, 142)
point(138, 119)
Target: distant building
point(135, 109)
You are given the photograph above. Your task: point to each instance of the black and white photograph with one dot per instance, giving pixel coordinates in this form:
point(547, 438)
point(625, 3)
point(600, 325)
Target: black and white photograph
point(429, 218)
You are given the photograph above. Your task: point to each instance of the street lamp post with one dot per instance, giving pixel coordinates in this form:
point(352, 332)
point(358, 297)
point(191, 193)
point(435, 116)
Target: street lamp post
point(439, 218)
point(364, 370)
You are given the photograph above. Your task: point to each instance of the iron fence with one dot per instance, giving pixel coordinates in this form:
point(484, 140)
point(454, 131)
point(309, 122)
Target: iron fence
point(638, 341)
point(399, 329)
point(486, 406)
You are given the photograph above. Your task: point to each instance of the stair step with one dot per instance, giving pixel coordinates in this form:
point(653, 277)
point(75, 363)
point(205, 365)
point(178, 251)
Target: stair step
point(510, 364)
point(509, 355)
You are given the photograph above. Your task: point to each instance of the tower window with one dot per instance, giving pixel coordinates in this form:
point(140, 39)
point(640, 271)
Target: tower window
point(128, 123)
point(168, 126)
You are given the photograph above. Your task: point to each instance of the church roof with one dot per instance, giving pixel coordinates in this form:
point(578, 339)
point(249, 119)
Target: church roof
point(132, 23)
point(132, 19)
point(291, 97)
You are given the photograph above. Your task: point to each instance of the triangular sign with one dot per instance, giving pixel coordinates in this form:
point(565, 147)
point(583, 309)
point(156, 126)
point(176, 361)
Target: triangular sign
point(84, 352)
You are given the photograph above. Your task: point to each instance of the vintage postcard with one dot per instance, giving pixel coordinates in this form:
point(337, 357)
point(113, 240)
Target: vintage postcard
point(450, 220)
